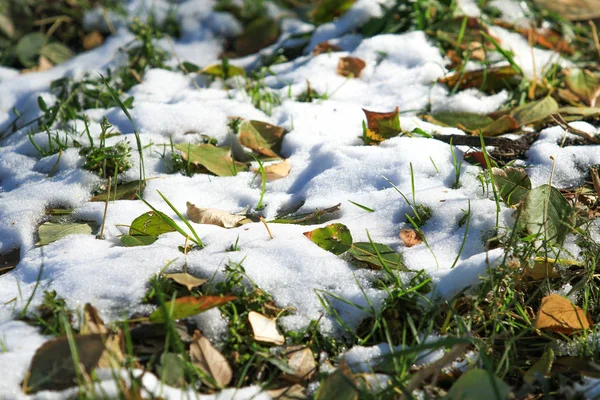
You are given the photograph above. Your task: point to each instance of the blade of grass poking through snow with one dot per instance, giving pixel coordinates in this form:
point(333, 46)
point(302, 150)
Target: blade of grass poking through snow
point(462, 245)
point(489, 167)
point(37, 283)
point(184, 219)
point(386, 267)
point(263, 177)
point(402, 194)
point(416, 227)
point(138, 141)
point(361, 206)
point(457, 167)
point(506, 54)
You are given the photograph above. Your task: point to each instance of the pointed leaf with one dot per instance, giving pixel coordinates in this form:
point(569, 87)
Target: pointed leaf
point(125, 191)
point(335, 238)
point(386, 125)
point(312, 218)
point(512, 183)
point(52, 231)
point(185, 307)
point(502, 125)
point(585, 84)
point(559, 314)
point(364, 252)
point(187, 280)
point(265, 329)
point(262, 137)
point(546, 211)
point(137, 240)
point(210, 360)
point(216, 160)
point(151, 224)
point(470, 121)
point(478, 384)
point(535, 111)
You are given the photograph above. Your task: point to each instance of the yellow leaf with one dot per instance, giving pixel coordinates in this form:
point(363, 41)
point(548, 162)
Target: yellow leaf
point(410, 237)
point(187, 280)
point(278, 171)
point(265, 329)
point(558, 314)
point(302, 362)
point(210, 360)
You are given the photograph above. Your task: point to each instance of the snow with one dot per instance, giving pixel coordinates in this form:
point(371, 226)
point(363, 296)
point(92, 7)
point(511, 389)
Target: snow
point(329, 166)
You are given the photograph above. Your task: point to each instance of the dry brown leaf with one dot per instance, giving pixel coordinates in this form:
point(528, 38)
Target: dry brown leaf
point(265, 329)
point(277, 171)
point(113, 356)
point(558, 314)
point(410, 237)
point(573, 10)
point(92, 40)
point(187, 280)
point(540, 270)
point(214, 216)
point(325, 47)
point(294, 392)
point(350, 67)
point(210, 360)
point(302, 362)
point(43, 65)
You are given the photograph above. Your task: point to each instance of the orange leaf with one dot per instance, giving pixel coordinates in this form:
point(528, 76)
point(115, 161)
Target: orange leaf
point(188, 306)
point(558, 314)
point(410, 237)
point(325, 47)
point(350, 67)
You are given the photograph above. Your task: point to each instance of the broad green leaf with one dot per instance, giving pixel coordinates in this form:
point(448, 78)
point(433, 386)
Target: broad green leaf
point(216, 160)
point(364, 252)
point(384, 125)
point(259, 33)
point(52, 231)
point(335, 238)
point(327, 10)
point(137, 240)
point(56, 52)
point(546, 211)
point(217, 70)
point(470, 121)
point(172, 369)
point(312, 218)
point(125, 191)
point(535, 111)
point(478, 384)
point(150, 223)
point(512, 183)
point(488, 80)
point(585, 84)
point(262, 137)
point(28, 48)
point(52, 365)
point(502, 125)
point(185, 307)
point(541, 368)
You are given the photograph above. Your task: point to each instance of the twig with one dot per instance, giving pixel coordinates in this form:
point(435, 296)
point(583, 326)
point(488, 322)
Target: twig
point(266, 226)
point(101, 234)
point(595, 36)
point(563, 124)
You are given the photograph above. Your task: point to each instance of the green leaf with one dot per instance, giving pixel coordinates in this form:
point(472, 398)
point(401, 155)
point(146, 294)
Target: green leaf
point(52, 231)
point(28, 48)
point(6, 26)
point(535, 111)
point(513, 184)
point(216, 160)
point(312, 218)
point(125, 191)
point(190, 67)
point(262, 137)
point(364, 252)
point(56, 52)
point(259, 33)
point(470, 121)
point(545, 210)
point(185, 307)
point(585, 85)
point(137, 240)
point(150, 223)
point(328, 10)
point(172, 369)
point(335, 238)
point(217, 70)
point(502, 125)
point(385, 125)
point(478, 384)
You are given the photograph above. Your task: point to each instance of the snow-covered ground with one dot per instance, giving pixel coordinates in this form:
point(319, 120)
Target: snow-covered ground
point(329, 166)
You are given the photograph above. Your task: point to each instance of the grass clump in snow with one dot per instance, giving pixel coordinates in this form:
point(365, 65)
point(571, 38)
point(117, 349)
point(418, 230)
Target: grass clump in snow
point(50, 314)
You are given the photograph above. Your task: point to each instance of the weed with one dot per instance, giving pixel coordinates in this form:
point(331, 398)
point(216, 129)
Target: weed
point(261, 96)
point(234, 246)
point(55, 145)
point(106, 160)
point(50, 314)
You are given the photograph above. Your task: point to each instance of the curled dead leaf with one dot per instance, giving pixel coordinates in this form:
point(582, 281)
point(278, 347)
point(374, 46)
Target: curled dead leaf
point(325, 47)
point(187, 280)
point(302, 362)
point(114, 343)
point(559, 314)
point(410, 237)
point(210, 360)
point(350, 67)
point(213, 216)
point(92, 40)
point(278, 170)
point(265, 329)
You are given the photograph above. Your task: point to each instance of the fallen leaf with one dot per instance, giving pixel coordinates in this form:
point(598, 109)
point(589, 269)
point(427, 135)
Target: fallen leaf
point(335, 238)
point(265, 329)
point(325, 47)
point(184, 307)
point(210, 360)
point(9, 260)
point(512, 183)
point(573, 10)
point(278, 170)
point(410, 237)
point(218, 71)
point(137, 240)
point(365, 252)
point(465, 120)
point(92, 40)
point(386, 125)
point(124, 191)
point(584, 84)
point(187, 280)
point(150, 224)
point(52, 231)
point(312, 218)
point(489, 80)
point(210, 158)
point(541, 368)
point(328, 10)
point(350, 67)
point(540, 270)
point(339, 385)
point(172, 369)
point(262, 137)
point(559, 314)
point(113, 356)
point(214, 216)
point(294, 392)
point(302, 362)
point(258, 34)
point(502, 125)
point(535, 111)
point(52, 365)
point(478, 384)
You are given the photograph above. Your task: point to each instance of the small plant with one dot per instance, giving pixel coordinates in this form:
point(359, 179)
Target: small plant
point(106, 160)
point(234, 246)
point(50, 313)
point(55, 145)
point(310, 94)
point(262, 97)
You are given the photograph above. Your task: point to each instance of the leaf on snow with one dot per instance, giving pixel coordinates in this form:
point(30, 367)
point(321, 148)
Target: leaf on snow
point(312, 218)
point(335, 238)
point(215, 160)
point(262, 137)
point(364, 252)
point(217, 70)
point(513, 184)
point(214, 216)
point(187, 280)
point(350, 67)
point(184, 307)
point(210, 361)
point(52, 231)
point(559, 314)
point(125, 191)
point(150, 223)
point(410, 237)
point(278, 170)
point(265, 329)
point(386, 125)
